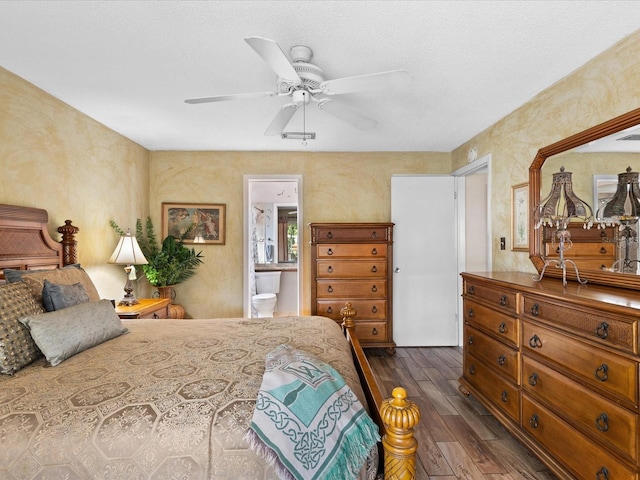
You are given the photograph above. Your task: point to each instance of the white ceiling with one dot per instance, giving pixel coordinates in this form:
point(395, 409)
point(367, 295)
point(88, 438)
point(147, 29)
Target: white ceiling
point(131, 64)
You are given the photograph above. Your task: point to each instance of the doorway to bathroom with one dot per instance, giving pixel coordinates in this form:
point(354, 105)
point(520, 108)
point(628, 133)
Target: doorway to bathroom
point(272, 232)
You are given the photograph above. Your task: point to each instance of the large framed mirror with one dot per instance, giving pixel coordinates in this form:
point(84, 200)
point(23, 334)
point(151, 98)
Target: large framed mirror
point(567, 153)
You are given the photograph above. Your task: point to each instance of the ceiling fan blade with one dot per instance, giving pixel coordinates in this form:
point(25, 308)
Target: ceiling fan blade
point(346, 114)
point(374, 81)
point(273, 55)
point(281, 120)
point(233, 96)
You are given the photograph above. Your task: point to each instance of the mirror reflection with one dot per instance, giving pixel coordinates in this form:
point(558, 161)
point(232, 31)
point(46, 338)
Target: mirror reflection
point(604, 162)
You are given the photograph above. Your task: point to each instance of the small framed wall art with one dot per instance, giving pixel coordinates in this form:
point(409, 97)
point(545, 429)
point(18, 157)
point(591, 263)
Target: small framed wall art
point(520, 217)
point(204, 222)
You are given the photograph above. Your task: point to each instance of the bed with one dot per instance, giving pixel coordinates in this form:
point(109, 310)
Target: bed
point(167, 398)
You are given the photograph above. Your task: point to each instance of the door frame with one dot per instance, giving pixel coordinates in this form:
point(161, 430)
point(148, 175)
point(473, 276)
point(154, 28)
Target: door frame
point(246, 240)
point(474, 167)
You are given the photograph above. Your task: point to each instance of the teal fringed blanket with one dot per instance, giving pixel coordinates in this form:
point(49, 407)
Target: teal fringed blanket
point(307, 421)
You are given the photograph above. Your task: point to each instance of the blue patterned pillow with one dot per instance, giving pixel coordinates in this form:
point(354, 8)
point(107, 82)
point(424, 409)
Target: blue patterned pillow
point(56, 297)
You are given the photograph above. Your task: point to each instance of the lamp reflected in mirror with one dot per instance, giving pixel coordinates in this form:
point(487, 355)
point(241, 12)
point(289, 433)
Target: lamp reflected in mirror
point(623, 210)
point(557, 210)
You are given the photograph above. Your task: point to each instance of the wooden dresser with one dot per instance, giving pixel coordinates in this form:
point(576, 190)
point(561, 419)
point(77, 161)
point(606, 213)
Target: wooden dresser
point(353, 262)
point(558, 367)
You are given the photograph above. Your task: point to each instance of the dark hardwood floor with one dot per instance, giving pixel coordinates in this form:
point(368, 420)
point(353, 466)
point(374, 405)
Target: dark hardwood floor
point(457, 437)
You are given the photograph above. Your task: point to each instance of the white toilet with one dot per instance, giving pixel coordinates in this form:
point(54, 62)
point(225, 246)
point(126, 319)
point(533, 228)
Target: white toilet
point(267, 285)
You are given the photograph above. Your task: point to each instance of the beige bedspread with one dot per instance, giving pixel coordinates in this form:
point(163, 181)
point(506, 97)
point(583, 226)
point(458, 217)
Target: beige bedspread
point(170, 399)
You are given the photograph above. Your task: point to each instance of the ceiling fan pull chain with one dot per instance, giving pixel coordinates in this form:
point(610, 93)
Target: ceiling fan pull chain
point(304, 119)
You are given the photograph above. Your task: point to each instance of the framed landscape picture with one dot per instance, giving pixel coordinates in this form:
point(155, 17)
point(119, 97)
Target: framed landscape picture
point(520, 217)
point(204, 222)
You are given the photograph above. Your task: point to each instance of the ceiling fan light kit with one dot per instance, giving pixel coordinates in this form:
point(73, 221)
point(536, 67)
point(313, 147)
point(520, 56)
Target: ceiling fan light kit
point(304, 81)
point(298, 135)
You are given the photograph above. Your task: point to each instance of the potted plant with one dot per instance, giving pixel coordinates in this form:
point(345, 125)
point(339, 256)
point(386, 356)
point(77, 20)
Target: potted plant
point(170, 262)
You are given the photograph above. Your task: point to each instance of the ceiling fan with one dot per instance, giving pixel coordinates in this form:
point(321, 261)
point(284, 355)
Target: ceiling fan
point(304, 82)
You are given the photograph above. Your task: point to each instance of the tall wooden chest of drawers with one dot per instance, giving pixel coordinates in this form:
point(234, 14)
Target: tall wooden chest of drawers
point(558, 367)
point(352, 262)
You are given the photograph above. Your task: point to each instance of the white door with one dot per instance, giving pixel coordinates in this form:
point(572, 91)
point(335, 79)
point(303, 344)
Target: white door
point(425, 281)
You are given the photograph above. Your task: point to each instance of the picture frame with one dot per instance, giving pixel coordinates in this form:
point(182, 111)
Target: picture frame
point(207, 222)
point(604, 186)
point(520, 217)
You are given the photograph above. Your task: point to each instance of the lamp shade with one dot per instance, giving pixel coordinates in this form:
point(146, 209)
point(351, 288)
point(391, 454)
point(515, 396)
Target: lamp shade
point(624, 206)
point(128, 251)
point(562, 205)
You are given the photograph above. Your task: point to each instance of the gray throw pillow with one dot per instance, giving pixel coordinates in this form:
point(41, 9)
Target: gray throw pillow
point(64, 333)
point(56, 297)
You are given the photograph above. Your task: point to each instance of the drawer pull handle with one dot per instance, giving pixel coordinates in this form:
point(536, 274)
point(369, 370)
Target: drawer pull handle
point(374, 251)
point(502, 360)
point(374, 234)
point(329, 310)
point(504, 396)
point(374, 309)
point(603, 474)
point(503, 300)
point(330, 269)
point(602, 422)
point(535, 310)
point(329, 235)
point(602, 372)
point(603, 250)
point(330, 289)
point(471, 290)
point(374, 331)
point(472, 370)
point(502, 328)
point(470, 341)
point(603, 330)
point(535, 342)
point(470, 313)
point(374, 269)
point(374, 289)
point(533, 379)
point(330, 251)
point(533, 421)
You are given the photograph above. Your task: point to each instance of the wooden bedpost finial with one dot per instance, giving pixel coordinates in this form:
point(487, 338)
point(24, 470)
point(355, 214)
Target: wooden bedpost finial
point(399, 416)
point(69, 253)
point(348, 312)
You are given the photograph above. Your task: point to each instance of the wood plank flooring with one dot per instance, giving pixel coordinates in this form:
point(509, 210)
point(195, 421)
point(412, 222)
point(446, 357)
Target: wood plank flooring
point(457, 437)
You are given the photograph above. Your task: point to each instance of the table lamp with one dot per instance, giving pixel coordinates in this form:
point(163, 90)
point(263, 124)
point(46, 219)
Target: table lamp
point(128, 253)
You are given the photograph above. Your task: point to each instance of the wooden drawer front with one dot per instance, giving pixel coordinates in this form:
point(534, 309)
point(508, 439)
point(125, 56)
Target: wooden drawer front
point(607, 329)
point(593, 414)
point(371, 331)
point(497, 355)
point(351, 268)
point(584, 458)
point(352, 288)
point(502, 393)
point(358, 234)
point(337, 250)
point(495, 323)
point(503, 299)
point(606, 251)
point(606, 371)
point(365, 309)
point(160, 313)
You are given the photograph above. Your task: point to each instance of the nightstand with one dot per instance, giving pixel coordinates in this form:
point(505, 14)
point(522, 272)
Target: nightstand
point(147, 308)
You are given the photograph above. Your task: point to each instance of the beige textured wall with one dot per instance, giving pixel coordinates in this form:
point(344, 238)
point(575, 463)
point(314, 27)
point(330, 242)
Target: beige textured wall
point(56, 158)
point(605, 87)
point(336, 187)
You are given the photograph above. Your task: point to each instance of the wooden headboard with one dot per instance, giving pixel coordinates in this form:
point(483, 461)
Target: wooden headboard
point(25, 243)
